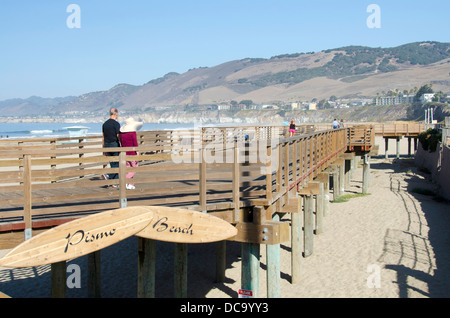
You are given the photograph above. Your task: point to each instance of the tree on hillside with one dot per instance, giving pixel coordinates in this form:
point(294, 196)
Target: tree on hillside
point(425, 89)
point(246, 102)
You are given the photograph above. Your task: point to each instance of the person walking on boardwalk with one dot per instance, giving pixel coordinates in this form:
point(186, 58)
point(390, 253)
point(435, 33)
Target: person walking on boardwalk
point(128, 138)
point(335, 124)
point(111, 130)
point(292, 128)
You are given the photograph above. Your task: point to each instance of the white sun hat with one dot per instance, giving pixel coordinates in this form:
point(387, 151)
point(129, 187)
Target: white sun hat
point(131, 125)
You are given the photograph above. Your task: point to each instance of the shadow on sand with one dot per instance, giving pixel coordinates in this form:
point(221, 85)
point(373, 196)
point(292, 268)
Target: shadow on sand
point(420, 251)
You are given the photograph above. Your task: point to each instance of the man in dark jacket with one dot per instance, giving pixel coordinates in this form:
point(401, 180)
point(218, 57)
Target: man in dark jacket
point(111, 130)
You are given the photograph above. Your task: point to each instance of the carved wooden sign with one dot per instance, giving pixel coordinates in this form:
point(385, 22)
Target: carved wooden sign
point(79, 237)
point(95, 232)
point(185, 226)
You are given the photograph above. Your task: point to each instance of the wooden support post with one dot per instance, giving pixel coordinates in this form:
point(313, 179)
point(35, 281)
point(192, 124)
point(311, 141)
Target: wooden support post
point(250, 268)
point(336, 185)
point(221, 258)
point(326, 206)
point(324, 178)
point(342, 179)
point(308, 225)
point(320, 198)
point(386, 148)
point(180, 270)
point(94, 275)
point(296, 244)
point(58, 277)
point(409, 146)
point(347, 173)
point(146, 268)
point(366, 174)
point(273, 268)
point(352, 168)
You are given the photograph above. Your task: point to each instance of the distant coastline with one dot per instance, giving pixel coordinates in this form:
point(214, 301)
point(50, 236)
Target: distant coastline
point(403, 112)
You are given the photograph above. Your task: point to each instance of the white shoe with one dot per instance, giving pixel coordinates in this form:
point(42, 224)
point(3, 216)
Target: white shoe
point(130, 187)
point(105, 176)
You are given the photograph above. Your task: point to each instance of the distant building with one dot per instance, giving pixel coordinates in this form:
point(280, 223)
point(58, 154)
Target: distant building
point(362, 102)
point(270, 107)
point(426, 98)
point(312, 106)
point(394, 100)
point(224, 106)
point(294, 106)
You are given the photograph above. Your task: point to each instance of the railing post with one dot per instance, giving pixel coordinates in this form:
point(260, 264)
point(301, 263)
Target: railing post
point(286, 165)
point(202, 177)
point(123, 179)
point(27, 209)
point(269, 173)
point(236, 182)
point(294, 161)
point(311, 156)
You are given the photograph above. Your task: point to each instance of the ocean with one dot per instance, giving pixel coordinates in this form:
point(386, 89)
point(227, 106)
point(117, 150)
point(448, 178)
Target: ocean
point(54, 130)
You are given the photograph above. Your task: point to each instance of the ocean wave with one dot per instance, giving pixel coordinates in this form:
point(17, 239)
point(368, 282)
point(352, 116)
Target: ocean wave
point(40, 132)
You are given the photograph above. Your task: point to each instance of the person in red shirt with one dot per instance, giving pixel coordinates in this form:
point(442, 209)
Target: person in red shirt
point(128, 138)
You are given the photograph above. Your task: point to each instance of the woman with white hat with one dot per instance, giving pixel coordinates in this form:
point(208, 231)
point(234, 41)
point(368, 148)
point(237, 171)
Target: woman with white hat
point(128, 138)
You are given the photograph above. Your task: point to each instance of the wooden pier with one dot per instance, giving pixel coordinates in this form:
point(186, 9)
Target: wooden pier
point(246, 176)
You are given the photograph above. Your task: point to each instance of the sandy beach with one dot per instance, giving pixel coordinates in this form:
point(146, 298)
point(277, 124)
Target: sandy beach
point(392, 243)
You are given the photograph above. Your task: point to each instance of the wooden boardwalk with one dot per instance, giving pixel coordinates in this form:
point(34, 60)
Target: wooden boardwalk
point(243, 175)
point(46, 183)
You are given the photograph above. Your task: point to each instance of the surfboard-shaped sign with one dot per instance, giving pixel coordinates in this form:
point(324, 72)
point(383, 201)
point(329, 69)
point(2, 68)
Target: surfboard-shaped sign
point(79, 237)
point(186, 226)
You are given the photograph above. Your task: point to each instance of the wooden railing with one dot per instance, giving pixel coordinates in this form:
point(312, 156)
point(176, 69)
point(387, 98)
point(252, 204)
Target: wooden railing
point(360, 136)
point(44, 183)
point(398, 129)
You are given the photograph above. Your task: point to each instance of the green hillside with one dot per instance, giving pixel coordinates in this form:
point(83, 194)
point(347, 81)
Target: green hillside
point(359, 60)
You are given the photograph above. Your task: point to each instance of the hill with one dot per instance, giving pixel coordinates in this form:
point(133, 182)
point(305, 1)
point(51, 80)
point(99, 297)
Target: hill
point(353, 71)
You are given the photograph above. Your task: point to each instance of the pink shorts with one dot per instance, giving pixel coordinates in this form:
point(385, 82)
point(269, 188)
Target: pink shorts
point(292, 130)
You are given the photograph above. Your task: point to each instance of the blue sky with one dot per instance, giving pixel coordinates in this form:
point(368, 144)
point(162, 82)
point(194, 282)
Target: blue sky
point(136, 41)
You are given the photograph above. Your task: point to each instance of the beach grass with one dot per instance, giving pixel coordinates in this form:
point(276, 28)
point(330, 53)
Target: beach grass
point(347, 197)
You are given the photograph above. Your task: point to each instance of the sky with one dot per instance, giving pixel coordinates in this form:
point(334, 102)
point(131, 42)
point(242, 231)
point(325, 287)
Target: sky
point(58, 48)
